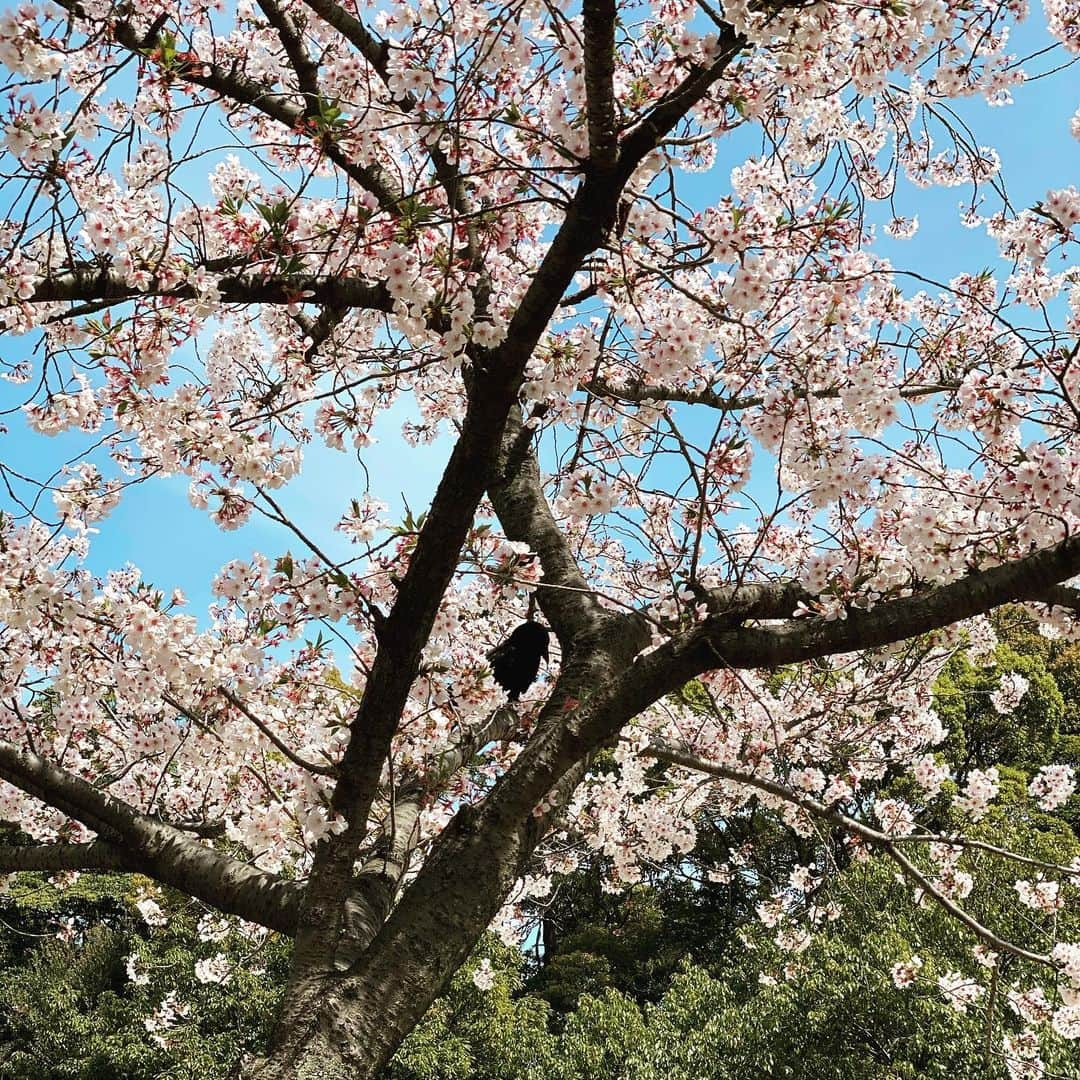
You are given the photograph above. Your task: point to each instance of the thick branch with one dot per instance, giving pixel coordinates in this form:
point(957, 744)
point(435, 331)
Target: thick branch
point(599, 17)
point(456, 893)
point(517, 494)
point(96, 855)
point(755, 600)
point(652, 128)
point(307, 71)
point(375, 52)
point(372, 893)
point(1064, 596)
point(639, 390)
point(493, 386)
point(379, 878)
point(613, 691)
point(88, 282)
point(155, 849)
point(716, 644)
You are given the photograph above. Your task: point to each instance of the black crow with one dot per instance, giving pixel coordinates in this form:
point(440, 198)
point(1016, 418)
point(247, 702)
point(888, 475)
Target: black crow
point(516, 661)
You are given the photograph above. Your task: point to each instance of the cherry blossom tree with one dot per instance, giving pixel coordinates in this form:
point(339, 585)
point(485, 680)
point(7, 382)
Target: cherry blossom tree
point(707, 433)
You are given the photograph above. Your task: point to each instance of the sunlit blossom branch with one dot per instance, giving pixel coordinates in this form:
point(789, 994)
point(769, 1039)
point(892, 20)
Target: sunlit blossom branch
point(993, 849)
point(376, 615)
point(238, 88)
point(659, 750)
point(244, 91)
point(333, 392)
point(958, 913)
point(673, 756)
point(210, 729)
point(282, 747)
point(376, 53)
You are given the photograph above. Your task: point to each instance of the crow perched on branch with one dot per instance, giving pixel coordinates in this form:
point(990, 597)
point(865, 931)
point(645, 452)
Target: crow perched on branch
point(516, 661)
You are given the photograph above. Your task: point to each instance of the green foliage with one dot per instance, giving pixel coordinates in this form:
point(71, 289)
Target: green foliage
point(634, 941)
point(69, 1009)
point(831, 1012)
point(1065, 667)
point(979, 736)
point(491, 1034)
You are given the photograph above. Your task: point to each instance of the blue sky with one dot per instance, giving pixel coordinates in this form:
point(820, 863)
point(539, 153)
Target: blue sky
point(175, 545)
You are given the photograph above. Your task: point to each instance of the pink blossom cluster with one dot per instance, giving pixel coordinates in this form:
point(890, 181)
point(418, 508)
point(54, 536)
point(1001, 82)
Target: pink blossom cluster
point(1010, 692)
point(979, 791)
point(1053, 786)
point(959, 990)
point(1042, 896)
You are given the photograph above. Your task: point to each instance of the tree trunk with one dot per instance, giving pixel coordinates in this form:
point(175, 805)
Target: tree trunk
point(349, 1024)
